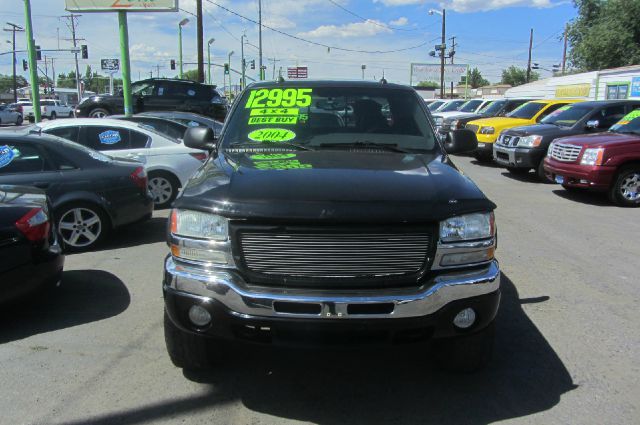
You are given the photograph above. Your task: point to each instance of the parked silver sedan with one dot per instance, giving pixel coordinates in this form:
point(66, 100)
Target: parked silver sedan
point(9, 115)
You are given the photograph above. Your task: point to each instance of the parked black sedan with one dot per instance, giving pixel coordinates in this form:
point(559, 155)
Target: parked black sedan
point(521, 149)
point(91, 193)
point(187, 118)
point(30, 255)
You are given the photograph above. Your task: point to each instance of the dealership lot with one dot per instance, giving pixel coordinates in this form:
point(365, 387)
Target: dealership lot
point(566, 351)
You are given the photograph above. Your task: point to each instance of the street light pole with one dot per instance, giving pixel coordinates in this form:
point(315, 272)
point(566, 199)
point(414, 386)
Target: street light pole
point(229, 62)
point(182, 23)
point(211, 40)
point(442, 46)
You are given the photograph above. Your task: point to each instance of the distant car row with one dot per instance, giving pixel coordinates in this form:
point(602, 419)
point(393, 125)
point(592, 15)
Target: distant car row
point(581, 145)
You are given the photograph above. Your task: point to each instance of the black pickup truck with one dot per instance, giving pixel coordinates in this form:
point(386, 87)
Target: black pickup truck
point(329, 212)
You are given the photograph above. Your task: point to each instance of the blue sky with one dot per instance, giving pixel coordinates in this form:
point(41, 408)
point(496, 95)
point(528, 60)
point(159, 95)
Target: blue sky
point(491, 34)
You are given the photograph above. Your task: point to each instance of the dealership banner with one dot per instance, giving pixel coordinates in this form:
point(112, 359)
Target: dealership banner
point(431, 72)
point(124, 5)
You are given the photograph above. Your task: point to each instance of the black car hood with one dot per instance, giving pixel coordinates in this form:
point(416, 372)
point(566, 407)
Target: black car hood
point(541, 130)
point(333, 185)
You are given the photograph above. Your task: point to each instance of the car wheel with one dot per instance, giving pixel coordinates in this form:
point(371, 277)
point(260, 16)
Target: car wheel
point(163, 188)
point(82, 226)
point(625, 190)
point(53, 116)
point(467, 353)
point(98, 113)
point(19, 120)
point(543, 176)
point(188, 351)
point(518, 171)
point(482, 157)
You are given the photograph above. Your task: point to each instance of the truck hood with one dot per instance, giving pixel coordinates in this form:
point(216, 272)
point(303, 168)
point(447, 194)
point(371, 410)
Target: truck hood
point(333, 186)
point(544, 130)
point(500, 123)
point(450, 114)
point(601, 139)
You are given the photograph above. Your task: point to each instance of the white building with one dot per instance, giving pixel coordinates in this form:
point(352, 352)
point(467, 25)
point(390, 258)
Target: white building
point(615, 83)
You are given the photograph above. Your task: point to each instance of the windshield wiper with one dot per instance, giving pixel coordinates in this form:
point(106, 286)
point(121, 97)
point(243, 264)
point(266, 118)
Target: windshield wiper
point(268, 145)
point(393, 147)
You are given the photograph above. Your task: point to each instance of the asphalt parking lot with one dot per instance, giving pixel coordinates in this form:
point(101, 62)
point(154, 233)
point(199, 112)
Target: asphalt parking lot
point(566, 352)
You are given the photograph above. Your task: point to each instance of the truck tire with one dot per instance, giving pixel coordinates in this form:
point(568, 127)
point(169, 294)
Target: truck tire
point(467, 353)
point(187, 351)
point(482, 157)
point(518, 171)
point(625, 190)
point(53, 116)
point(542, 174)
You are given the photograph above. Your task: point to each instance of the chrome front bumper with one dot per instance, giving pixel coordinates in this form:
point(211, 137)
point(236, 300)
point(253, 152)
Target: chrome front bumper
point(227, 287)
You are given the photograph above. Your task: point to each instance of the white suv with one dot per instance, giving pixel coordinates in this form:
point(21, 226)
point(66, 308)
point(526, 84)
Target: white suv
point(168, 162)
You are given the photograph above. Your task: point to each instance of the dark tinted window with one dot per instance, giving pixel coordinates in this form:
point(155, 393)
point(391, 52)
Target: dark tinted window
point(527, 111)
point(60, 161)
point(21, 158)
point(69, 133)
point(609, 116)
point(470, 106)
point(138, 140)
point(105, 138)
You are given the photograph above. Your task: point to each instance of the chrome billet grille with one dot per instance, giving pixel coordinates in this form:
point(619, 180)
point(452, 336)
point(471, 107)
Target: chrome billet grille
point(566, 153)
point(335, 255)
point(472, 127)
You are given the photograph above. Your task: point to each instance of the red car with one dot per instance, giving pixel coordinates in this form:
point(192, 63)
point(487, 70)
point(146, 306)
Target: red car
point(607, 162)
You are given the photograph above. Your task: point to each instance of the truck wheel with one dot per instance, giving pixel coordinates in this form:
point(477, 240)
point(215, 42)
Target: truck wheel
point(467, 353)
point(625, 190)
point(518, 171)
point(19, 120)
point(542, 173)
point(187, 351)
point(164, 189)
point(52, 116)
point(98, 113)
point(481, 157)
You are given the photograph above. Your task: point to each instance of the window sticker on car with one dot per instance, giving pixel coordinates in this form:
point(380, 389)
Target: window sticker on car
point(6, 155)
point(559, 110)
point(109, 137)
point(278, 162)
point(629, 117)
point(273, 120)
point(268, 135)
point(272, 156)
point(274, 98)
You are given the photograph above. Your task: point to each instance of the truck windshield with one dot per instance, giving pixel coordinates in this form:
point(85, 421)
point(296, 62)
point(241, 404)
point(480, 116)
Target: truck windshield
point(451, 106)
point(566, 116)
point(629, 124)
point(493, 108)
point(470, 106)
point(322, 117)
point(527, 110)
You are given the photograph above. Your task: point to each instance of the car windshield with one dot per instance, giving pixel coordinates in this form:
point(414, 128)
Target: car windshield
point(527, 110)
point(629, 124)
point(566, 116)
point(435, 105)
point(451, 106)
point(493, 108)
point(470, 106)
point(325, 117)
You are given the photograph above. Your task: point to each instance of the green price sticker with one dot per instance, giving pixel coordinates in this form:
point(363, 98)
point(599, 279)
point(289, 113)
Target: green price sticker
point(632, 115)
point(267, 135)
point(272, 156)
point(274, 111)
point(274, 98)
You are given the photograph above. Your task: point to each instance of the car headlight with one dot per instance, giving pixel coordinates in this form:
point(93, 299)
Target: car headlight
point(196, 224)
point(467, 227)
point(530, 141)
point(592, 156)
point(487, 130)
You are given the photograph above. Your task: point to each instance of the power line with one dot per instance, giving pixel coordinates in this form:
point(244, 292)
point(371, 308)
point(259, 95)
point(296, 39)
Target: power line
point(372, 21)
point(295, 37)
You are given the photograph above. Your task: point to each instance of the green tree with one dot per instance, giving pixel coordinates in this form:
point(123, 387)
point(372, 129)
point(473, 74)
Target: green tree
point(428, 85)
point(606, 34)
point(67, 81)
point(475, 79)
point(191, 74)
point(6, 83)
point(517, 76)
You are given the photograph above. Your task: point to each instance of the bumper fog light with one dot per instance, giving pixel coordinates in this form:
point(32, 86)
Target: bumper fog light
point(465, 319)
point(199, 316)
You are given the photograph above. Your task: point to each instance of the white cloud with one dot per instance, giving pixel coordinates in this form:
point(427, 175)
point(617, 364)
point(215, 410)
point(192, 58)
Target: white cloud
point(357, 29)
point(279, 22)
point(402, 21)
point(477, 5)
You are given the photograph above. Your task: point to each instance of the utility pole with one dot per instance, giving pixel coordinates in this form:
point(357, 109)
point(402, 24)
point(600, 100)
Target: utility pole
point(564, 50)
point(243, 81)
point(71, 23)
point(452, 51)
point(157, 67)
point(260, 39)
point(529, 62)
point(47, 86)
point(442, 50)
point(363, 67)
point(200, 41)
point(53, 73)
point(274, 60)
point(14, 28)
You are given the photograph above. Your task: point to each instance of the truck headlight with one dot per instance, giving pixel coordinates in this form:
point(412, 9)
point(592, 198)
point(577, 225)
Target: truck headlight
point(454, 124)
point(592, 156)
point(467, 227)
point(532, 141)
point(487, 130)
point(196, 224)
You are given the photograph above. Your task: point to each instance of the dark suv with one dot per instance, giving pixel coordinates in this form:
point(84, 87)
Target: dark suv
point(329, 212)
point(159, 94)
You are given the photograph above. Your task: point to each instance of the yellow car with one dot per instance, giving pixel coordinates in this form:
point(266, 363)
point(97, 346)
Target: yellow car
point(488, 129)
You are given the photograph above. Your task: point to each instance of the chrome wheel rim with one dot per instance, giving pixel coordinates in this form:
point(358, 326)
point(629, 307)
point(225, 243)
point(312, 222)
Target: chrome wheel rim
point(630, 187)
point(98, 114)
point(80, 227)
point(161, 189)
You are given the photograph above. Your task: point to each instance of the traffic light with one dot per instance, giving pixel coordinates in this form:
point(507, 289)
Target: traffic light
point(38, 53)
point(173, 64)
point(85, 51)
point(253, 64)
point(25, 65)
point(226, 69)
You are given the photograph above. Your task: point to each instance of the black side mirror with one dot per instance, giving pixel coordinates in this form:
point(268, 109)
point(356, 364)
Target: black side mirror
point(200, 138)
point(462, 141)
